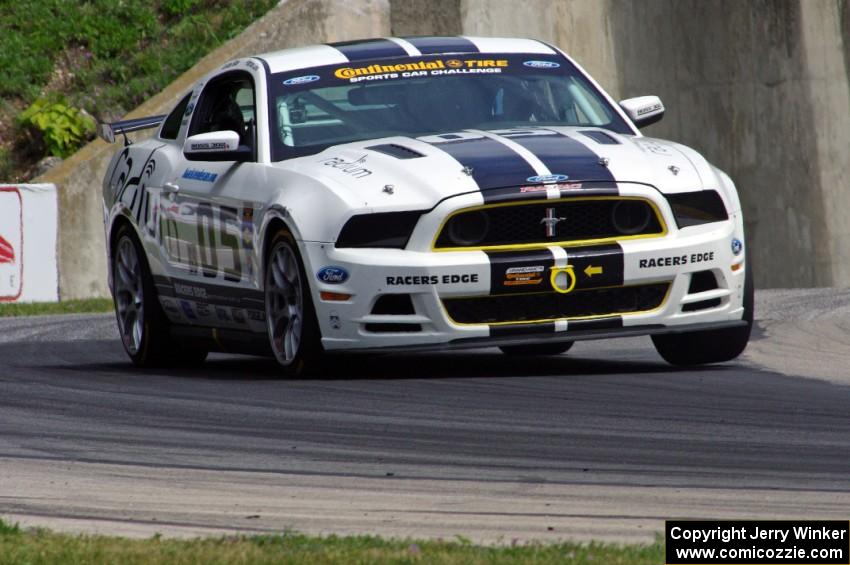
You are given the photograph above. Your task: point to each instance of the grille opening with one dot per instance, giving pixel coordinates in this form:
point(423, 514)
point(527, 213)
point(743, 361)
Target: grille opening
point(553, 306)
point(702, 281)
point(394, 304)
point(393, 328)
point(571, 220)
point(701, 305)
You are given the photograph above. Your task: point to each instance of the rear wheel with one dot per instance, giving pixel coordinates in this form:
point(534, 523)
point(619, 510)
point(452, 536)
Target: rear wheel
point(714, 346)
point(290, 317)
point(142, 325)
point(537, 349)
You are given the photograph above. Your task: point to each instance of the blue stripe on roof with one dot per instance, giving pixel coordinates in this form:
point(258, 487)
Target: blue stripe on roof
point(369, 49)
point(436, 45)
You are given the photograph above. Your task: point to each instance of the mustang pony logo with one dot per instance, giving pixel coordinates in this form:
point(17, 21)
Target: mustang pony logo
point(7, 252)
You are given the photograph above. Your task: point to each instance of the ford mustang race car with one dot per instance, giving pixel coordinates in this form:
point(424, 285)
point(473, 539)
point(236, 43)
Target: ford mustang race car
point(419, 193)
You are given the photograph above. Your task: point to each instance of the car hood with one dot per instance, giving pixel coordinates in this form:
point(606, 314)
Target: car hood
point(405, 172)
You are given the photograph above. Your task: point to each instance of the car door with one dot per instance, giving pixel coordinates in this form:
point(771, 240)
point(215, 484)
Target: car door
point(208, 228)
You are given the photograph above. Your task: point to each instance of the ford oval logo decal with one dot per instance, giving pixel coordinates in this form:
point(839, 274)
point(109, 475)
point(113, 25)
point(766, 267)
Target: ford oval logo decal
point(542, 64)
point(332, 275)
point(546, 179)
point(301, 80)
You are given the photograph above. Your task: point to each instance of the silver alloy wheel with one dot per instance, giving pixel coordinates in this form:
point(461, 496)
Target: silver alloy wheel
point(284, 303)
point(129, 295)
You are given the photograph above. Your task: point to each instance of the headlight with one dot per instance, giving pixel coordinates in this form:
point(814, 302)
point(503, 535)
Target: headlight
point(390, 229)
point(695, 208)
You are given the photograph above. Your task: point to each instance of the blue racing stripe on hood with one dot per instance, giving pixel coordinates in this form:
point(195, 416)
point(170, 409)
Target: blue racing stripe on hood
point(564, 155)
point(370, 49)
point(439, 45)
point(493, 164)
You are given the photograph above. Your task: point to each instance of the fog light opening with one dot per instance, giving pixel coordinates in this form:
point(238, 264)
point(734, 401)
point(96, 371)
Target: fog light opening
point(630, 217)
point(469, 229)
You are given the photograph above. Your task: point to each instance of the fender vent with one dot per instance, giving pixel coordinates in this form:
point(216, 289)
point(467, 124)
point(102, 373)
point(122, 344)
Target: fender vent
point(397, 151)
point(600, 137)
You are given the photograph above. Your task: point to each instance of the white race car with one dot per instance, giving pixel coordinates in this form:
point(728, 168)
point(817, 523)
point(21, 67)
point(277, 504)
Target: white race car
point(411, 194)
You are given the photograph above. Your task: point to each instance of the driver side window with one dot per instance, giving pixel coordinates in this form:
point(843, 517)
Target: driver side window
point(227, 103)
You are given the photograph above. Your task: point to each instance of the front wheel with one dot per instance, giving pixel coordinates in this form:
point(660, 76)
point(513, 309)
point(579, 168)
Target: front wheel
point(290, 318)
point(713, 346)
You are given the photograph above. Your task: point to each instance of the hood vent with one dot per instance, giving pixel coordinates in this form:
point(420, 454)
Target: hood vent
point(397, 151)
point(600, 137)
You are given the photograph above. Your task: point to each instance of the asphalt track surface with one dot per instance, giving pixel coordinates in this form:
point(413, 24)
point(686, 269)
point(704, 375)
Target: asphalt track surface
point(604, 442)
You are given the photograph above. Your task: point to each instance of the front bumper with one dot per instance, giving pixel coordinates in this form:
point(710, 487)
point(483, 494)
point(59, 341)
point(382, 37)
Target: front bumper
point(431, 279)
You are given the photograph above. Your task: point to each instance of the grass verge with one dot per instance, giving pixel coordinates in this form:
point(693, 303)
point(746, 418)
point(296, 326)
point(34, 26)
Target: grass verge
point(45, 547)
point(93, 305)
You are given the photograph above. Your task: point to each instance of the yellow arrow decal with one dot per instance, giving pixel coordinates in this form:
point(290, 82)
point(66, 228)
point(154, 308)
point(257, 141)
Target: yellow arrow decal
point(591, 270)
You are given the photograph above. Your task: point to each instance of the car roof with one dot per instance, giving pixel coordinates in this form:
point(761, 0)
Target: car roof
point(395, 47)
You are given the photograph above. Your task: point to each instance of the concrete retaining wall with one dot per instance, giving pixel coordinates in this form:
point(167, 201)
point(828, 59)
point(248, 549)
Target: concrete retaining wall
point(760, 87)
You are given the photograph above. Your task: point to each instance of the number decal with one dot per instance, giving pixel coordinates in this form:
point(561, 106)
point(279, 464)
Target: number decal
point(206, 231)
point(205, 238)
point(228, 217)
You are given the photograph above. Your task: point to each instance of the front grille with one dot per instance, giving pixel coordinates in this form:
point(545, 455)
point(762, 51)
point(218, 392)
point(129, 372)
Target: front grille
point(569, 220)
point(521, 308)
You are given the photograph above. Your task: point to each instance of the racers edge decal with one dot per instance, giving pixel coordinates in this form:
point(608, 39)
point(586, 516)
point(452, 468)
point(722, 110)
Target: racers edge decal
point(431, 280)
point(677, 260)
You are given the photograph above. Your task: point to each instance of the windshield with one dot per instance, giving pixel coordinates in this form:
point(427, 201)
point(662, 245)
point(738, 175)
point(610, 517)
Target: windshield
point(312, 109)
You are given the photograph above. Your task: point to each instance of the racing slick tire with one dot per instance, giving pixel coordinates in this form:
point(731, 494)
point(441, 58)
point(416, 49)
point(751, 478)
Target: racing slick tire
point(713, 346)
point(536, 349)
point(143, 326)
point(293, 330)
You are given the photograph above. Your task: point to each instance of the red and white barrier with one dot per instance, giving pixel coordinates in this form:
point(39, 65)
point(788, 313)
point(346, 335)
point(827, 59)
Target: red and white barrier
point(29, 219)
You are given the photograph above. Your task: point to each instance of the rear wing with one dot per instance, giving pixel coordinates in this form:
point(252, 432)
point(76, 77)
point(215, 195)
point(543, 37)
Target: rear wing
point(107, 132)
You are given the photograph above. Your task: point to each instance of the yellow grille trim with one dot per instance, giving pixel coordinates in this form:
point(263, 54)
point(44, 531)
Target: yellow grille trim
point(545, 244)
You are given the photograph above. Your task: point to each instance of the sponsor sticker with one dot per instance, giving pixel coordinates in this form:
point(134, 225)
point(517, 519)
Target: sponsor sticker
point(332, 275)
point(294, 81)
point(431, 280)
point(676, 260)
point(548, 179)
point(334, 320)
point(522, 276)
point(354, 168)
point(542, 64)
point(409, 69)
point(737, 246)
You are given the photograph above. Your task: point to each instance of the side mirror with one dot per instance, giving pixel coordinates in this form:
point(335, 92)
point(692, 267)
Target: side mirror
point(216, 146)
point(643, 110)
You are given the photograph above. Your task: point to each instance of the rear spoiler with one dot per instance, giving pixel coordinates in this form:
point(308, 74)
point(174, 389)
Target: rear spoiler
point(107, 132)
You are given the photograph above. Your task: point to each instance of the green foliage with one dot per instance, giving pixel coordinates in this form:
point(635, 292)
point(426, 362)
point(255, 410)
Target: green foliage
point(63, 128)
point(7, 529)
point(87, 306)
point(106, 56)
point(45, 547)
